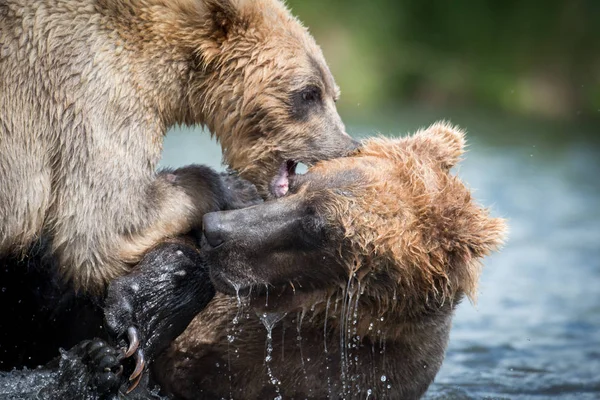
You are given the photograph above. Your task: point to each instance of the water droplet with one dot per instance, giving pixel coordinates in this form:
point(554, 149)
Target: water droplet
point(269, 320)
point(383, 378)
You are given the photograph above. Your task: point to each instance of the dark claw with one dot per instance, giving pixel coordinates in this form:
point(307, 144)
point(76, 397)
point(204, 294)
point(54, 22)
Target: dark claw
point(134, 384)
point(136, 375)
point(134, 341)
point(140, 363)
point(144, 322)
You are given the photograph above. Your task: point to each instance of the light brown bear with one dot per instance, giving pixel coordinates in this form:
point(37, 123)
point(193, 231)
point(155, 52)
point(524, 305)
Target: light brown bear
point(352, 280)
point(88, 89)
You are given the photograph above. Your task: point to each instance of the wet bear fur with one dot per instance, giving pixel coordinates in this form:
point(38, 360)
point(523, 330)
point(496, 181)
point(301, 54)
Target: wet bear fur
point(40, 313)
point(88, 89)
point(356, 273)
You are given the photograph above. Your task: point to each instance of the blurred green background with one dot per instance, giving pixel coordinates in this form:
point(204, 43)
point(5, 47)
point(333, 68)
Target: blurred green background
point(524, 57)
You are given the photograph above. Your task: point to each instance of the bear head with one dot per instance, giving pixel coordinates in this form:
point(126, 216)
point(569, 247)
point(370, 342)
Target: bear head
point(391, 218)
point(252, 73)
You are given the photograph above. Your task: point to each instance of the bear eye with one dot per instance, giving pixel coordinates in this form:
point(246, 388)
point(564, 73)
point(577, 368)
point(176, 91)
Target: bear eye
point(305, 101)
point(311, 94)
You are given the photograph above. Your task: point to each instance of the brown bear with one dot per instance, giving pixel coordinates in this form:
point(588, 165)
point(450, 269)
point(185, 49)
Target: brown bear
point(88, 89)
point(345, 287)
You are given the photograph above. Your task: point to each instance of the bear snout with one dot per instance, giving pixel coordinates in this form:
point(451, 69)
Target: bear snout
point(213, 229)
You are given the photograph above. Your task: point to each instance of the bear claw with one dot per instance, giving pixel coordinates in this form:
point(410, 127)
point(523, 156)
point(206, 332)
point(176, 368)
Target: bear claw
point(134, 341)
point(136, 375)
point(138, 355)
point(152, 305)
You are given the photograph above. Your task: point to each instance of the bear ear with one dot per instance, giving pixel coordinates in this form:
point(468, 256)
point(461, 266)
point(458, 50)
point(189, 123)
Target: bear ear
point(445, 142)
point(223, 16)
point(478, 239)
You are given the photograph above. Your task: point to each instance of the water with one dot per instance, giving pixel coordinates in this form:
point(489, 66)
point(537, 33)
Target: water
point(269, 320)
point(535, 331)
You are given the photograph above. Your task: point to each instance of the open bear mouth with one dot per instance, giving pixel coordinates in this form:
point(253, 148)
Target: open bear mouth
point(280, 184)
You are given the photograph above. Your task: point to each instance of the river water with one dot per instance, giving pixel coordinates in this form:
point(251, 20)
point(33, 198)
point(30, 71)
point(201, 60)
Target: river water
point(535, 330)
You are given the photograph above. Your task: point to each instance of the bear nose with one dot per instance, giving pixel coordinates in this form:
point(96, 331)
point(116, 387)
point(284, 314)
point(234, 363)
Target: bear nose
point(213, 229)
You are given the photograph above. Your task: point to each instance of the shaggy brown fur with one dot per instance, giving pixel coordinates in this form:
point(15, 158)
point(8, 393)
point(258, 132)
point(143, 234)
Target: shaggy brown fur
point(365, 268)
point(88, 89)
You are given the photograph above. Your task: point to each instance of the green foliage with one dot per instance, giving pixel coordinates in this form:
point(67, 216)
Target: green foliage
point(523, 56)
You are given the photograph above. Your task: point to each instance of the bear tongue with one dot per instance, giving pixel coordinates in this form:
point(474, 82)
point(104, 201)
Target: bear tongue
point(280, 184)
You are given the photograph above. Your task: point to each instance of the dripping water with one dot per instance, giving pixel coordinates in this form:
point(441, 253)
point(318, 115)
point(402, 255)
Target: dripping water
point(269, 320)
point(325, 324)
point(300, 318)
point(355, 338)
point(233, 331)
point(327, 358)
point(266, 295)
